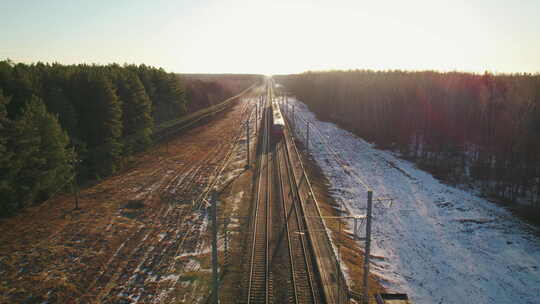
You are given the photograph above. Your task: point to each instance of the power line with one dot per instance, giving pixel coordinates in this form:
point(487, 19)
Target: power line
point(343, 163)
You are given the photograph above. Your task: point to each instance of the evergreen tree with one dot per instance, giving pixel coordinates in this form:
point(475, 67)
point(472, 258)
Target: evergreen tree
point(145, 75)
point(137, 112)
point(21, 90)
point(58, 103)
point(6, 75)
point(41, 160)
point(103, 126)
point(169, 101)
point(107, 111)
point(6, 187)
point(3, 123)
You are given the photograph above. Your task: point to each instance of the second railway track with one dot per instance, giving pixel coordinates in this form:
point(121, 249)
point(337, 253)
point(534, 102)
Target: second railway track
point(280, 248)
point(303, 289)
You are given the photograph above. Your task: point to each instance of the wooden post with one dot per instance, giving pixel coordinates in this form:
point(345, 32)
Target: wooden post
point(215, 279)
point(368, 245)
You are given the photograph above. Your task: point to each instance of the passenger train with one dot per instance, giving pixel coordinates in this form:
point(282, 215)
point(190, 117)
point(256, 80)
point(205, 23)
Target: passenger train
point(278, 123)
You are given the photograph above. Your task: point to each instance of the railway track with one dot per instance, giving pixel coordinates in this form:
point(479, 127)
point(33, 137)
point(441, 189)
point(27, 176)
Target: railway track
point(259, 287)
point(303, 289)
point(334, 288)
point(277, 190)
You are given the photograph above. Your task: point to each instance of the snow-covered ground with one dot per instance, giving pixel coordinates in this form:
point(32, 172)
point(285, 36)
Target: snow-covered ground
point(437, 243)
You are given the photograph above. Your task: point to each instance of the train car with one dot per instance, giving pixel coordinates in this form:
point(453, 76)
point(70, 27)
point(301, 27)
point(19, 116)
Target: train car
point(278, 123)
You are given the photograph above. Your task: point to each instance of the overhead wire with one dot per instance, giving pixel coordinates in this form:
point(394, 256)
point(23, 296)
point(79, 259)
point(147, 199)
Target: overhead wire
point(340, 161)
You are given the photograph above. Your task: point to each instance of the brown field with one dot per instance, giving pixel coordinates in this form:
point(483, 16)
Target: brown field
point(135, 233)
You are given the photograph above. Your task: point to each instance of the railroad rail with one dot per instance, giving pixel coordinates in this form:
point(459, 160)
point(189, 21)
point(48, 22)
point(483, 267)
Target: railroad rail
point(259, 288)
point(302, 272)
point(334, 284)
point(277, 189)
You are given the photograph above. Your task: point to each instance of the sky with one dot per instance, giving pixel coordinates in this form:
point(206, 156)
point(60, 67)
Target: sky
point(276, 36)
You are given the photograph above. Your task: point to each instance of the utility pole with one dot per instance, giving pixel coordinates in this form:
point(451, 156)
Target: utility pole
point(247, 141)
point(368, 245)
point(226, 235)
point(307, 137)
point(76, 191)
point(355, 229)
point(339, 261)
point(293, 120)
point(287, 103)
point(288, 110)
point(215, 279)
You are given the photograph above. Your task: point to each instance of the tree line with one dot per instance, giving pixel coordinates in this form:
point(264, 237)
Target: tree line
point(58, 121)
point(480, 129)
point(204, 94)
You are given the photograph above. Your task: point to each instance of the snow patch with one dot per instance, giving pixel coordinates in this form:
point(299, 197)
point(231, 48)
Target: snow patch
point(437, 243)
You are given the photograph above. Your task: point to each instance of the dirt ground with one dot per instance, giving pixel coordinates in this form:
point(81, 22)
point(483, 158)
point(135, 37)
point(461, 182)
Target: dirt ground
point(140, 235)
